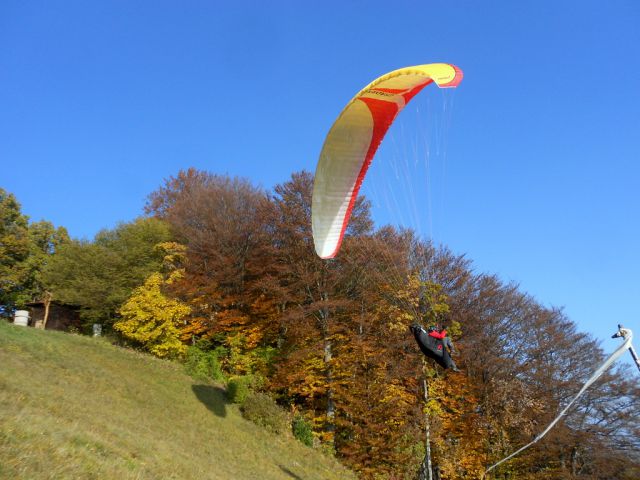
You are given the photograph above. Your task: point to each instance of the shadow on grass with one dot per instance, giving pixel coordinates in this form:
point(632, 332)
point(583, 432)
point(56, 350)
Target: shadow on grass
point(290, 473)
point(214, 398)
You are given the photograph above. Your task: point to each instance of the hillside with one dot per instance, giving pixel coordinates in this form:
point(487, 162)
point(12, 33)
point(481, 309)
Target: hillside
point(74, 407)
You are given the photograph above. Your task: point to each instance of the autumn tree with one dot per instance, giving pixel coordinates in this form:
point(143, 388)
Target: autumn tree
point(99, 276)
point(526, 362)
point(315, 299)
point(221, 221)
point(25, 250)
point(341, 353)
point(152, 319)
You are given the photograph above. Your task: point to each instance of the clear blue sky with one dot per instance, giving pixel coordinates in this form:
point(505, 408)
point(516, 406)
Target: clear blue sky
point(102, 100)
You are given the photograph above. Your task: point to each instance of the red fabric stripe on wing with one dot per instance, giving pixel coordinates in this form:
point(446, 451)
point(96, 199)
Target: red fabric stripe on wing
point(408, 94)
point(383, 113)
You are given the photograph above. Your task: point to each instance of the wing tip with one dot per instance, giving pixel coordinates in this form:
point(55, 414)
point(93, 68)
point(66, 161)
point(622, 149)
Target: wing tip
point(455, 81)
point(321, 252)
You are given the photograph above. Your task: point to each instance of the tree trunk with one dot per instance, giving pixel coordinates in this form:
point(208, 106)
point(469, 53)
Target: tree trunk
point(426, 471)
point(574, 461)
point(47, 305)
point(282, 331)
point(328, 355)
point(331, 406)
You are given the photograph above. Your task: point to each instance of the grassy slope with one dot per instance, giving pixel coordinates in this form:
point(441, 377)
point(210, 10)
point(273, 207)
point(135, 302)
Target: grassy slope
point(75, 407)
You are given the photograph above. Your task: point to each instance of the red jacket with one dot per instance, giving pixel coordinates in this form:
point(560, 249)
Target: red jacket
point(439, 335)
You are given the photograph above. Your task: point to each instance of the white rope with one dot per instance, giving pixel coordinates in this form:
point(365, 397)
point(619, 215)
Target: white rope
point(607, 363)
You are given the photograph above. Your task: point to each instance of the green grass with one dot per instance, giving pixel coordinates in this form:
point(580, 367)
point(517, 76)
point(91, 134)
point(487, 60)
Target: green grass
point(74, 407)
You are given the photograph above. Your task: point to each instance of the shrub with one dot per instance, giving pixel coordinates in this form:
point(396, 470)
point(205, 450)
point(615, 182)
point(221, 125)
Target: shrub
point(263, 358)
point(203, 365)
point(263, 410)
point(238, 389)
point(302, 430)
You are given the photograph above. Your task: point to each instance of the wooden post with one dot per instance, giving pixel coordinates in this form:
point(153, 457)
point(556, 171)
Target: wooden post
point(47, 304)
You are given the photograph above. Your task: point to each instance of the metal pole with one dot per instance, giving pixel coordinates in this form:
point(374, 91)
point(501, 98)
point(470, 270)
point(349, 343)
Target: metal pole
point(635, 356)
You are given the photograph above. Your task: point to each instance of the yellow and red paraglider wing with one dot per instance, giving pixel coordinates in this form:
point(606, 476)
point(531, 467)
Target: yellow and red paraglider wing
point(353, 141)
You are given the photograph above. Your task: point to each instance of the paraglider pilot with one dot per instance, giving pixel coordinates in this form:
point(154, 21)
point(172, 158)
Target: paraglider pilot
point(435, 343)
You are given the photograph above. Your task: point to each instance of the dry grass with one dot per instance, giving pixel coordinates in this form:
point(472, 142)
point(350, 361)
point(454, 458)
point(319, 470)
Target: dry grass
point(74, 407)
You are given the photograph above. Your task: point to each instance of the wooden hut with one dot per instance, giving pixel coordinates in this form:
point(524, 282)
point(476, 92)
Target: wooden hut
point(60, 317)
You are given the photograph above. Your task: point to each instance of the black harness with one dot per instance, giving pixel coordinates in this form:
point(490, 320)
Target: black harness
point(432, 347)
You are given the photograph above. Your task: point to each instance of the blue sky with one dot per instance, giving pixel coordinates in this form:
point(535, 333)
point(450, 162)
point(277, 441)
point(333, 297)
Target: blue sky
point(100, 101)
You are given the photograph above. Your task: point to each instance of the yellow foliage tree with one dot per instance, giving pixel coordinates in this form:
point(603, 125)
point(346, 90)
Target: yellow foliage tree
point(152, 319)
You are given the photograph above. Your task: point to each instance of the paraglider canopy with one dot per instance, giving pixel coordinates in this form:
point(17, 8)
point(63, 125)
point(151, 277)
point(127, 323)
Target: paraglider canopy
point(353, 141)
